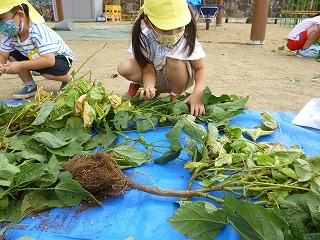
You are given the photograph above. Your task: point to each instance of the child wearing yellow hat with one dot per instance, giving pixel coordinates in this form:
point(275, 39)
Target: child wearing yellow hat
point(167, 57)
point(28, 44)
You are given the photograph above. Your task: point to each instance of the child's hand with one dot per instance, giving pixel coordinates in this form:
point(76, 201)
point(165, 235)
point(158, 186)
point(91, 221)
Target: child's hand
point(2, 70)
point(12, 67)
point(196, 105)
point(147, 93)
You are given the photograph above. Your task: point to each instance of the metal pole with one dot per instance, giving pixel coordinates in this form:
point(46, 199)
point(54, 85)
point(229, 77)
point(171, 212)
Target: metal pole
point(59, 10)
point(259, 21)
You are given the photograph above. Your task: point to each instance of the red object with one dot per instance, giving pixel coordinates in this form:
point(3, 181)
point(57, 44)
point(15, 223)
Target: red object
point(133, 89)
point(173, 98)
point(296, 45)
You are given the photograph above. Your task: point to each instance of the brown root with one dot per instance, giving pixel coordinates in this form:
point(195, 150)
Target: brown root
point(97, 173)
point(100, 174)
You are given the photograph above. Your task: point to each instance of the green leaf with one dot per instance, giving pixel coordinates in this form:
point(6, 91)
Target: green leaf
point(167, 157)
point(257, 132)
point(252, 221)
point(190, 146)
point(7, 171)
point(315, 163)
point(103, 139)
point(32, 202)
point(71, 98)
point(180, 107)
point(302, 169)
point(4, 201)
point(51, 173)
point(268, 120)
point(173, 135)
point(144, 121)
point(298, 229)
point(316, 79)
point(213, 132)
point(32, 150)
point(289, 172)
point(313, 202)
point(193, 129)
point(70, 150)
point(311, 236)
point(44, 112)
point(234, 132)
point(288, 154)
point(29, 172)
point(223, 159)
point(131, 154)
point(121, 120)
point(49, 140)
point(194, 221)
point(71, 193)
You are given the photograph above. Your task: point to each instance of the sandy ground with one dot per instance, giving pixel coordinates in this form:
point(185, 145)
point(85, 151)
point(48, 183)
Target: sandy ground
point(274, 80)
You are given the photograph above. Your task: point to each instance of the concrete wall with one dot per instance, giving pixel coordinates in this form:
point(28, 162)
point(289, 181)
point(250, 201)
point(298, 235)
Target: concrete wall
point(80, 10)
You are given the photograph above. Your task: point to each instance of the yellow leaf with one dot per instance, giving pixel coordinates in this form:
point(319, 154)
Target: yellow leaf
point(115, 100)
point(89, 114)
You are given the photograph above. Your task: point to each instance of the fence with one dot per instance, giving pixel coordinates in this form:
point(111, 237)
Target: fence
point(294, 12)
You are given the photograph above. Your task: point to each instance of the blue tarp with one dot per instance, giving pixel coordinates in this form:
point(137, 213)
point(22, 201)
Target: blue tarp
point(143, 216)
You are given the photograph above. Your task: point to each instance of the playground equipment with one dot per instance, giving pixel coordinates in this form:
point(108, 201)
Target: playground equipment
point(207, 12)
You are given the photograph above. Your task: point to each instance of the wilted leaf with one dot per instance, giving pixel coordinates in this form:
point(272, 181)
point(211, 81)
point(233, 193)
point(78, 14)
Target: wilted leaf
point(268, 120)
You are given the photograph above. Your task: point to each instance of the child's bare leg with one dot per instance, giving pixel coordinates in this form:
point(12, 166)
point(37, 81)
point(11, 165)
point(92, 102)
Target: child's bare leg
point(313, 34)
point(130, 70)
point(65, 78)
point(177, 75)
point(25, 76)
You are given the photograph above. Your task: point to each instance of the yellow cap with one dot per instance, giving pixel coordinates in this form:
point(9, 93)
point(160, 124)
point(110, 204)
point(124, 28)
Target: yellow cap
point(7, 5)
point(167, 14)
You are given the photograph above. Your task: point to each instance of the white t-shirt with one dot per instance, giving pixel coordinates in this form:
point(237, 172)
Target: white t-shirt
point(302, 26)
point(42, 38)
point(159, 52)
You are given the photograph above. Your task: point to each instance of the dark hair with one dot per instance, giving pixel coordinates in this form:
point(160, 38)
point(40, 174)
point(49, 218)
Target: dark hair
point(22, 7)
point(315, 15)
point(138, 38)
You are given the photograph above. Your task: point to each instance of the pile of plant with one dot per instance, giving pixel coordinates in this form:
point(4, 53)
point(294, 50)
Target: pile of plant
point(270, 191)
point(38, 136)
point(279, 187)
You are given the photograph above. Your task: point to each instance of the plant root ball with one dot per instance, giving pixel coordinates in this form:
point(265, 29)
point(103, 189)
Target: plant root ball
point(98, 173)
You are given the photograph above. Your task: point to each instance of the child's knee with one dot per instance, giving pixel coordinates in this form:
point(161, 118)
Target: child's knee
point(125, 67)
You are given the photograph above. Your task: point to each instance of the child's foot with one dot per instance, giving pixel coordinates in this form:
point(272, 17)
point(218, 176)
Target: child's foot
point(63, 85)
point(25, 92)
point(308, 53)
point(132, 91)
point(173, 97)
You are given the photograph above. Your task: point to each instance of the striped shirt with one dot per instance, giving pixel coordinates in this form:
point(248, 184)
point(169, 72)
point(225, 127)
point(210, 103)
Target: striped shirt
point(42, 38)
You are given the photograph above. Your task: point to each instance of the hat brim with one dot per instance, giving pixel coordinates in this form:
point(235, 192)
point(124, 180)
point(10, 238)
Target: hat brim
point(33, 13)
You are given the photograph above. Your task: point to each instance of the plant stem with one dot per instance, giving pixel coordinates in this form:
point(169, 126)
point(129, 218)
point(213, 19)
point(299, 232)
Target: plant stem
point(173, 193)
